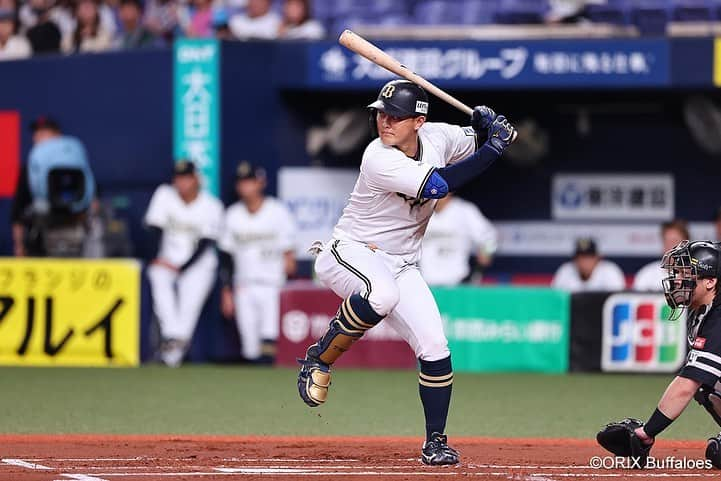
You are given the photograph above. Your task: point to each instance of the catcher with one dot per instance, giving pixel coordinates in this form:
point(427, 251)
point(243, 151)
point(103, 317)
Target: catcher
point(694, 273)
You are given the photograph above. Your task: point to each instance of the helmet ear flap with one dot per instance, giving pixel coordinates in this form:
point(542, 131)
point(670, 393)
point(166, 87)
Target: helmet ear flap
point(372, 115)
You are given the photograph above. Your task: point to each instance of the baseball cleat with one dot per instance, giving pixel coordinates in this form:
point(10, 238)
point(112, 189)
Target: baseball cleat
point(313, 381)
point(437, 452)
point(713, 451)
point(172, 352)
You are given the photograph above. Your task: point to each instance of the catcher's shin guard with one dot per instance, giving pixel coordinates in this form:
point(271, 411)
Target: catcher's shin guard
point(354, 317)
point(713, 451)
point(711, 401)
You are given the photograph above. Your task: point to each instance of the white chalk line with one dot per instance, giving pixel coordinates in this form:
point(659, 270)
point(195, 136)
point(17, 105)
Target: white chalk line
point(290, 472)
point(80, 477)
point(24, 464)
point(118, 468)
point(100, 460)
point(336, 470)
point(300, 460)
point(40, 467)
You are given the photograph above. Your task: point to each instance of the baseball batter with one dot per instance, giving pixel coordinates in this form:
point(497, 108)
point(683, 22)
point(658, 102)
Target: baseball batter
point(185, 224)
point(372, 260)
point(256, 255)
point(446, 248)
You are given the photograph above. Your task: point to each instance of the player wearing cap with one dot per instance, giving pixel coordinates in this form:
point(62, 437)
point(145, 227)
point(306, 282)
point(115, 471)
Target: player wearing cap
point(588, 271)
point(693, 272)
point(185, 223)
point(256, 256)
point(372, 260)
point(446, 248)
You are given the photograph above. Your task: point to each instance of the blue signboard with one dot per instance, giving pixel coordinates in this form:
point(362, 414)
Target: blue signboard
point(507, 64)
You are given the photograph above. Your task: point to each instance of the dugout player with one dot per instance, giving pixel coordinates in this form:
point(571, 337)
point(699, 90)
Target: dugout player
point(256, 256)
point(588, 271)
point(694, 271)
point(184, 222)
point(650, 277)
point(446, 248)
point(372, 259)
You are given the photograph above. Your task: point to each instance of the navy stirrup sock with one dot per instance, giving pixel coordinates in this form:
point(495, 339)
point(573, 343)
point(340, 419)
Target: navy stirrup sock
point(435, 383)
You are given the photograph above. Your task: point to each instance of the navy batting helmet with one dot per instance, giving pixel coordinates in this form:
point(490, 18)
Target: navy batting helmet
point(401, 98)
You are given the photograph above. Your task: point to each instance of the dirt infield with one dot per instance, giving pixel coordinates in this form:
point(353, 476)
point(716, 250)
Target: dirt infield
point(145, 458)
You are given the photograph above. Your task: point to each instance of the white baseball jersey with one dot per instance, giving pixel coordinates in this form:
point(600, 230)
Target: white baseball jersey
point(453, 234)
point(385, 207)
point(258, 241)
point(183, 224)
point(649, 277)
point(607, 276)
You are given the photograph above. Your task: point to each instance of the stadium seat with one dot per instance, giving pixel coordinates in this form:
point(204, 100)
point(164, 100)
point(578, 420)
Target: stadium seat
point(322, 10)
point(615, 12)
point(394, 19)
point(437, 12)
point(522, 11)
point(387, 7)
point(339, 24)
point(692, 11)
point(478, 12)
point(651, 16)
point(346, 8)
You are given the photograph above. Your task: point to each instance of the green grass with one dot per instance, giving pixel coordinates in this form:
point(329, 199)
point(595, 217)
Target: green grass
point(236, 400)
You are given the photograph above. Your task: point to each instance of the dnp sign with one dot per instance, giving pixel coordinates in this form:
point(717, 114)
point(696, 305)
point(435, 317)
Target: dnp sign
point(638, 337)
point(196, 115)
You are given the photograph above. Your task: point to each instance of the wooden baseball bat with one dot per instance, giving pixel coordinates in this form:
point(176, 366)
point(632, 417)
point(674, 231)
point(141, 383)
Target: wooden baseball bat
point(364, 48)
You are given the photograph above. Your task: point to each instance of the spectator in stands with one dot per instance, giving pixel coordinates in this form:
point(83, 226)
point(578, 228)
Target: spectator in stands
point(162, 18)
point(649, 277)
point(31, 12)
point(258, 22)
point(588, 271)
point(133, 33)
point(90, 35)
point(567, 11)
point(717, 224)
point(12, 46)
point(200, 21)
point(297, 24)
point(41, 23)
point(446, 248)
point(220, 24)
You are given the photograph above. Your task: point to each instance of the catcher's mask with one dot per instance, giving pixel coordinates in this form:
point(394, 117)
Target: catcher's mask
point(685, 264)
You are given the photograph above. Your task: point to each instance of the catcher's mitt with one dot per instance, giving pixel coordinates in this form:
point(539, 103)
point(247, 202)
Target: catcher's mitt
point(620, 439)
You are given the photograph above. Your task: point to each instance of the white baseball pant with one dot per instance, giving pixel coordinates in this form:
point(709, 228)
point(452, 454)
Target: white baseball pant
point(257, 313)
point(394, 288)
point(178, 298)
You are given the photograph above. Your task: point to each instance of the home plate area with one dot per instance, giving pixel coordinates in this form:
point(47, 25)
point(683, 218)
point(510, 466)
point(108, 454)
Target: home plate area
point(136, 458)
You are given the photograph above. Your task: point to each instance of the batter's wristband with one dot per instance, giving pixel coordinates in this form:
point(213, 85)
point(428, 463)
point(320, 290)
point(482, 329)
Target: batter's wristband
point(657, 423)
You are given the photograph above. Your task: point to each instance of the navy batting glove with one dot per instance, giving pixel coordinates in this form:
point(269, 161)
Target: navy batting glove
point(501, 134)
point(481, 118)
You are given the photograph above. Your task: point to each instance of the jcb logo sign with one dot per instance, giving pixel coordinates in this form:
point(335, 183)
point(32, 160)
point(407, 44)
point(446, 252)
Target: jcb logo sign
point(388, 91)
